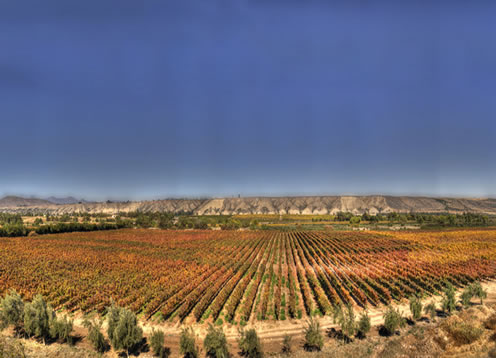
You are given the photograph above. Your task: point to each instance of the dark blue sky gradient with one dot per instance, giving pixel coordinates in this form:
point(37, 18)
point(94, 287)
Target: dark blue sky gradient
point(147, 99)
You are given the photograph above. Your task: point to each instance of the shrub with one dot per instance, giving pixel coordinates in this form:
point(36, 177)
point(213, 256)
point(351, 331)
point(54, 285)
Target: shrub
point(61, 329)
point(12, 310)
point(124, 332)
point(187, 343)
point(491, 322)
point(415, 308)
point(249, 344)
point(95, 335)
point(37, 317)
point(466, 296)
point(113, 313)
point(478, 291)
point(215, 343)
point(346, 320)
point(286, 344)
point(11, 350)
point(448, 302)
point(157, 343)
point(462, 332)
point(364, 324)
point(430, 309)
point(313, 338)
point(393, 320)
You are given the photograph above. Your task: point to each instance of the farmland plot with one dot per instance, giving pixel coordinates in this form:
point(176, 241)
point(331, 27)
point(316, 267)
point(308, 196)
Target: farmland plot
point(237, 276)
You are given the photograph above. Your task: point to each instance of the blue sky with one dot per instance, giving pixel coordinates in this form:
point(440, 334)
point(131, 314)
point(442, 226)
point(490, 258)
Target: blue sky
point(137, 100)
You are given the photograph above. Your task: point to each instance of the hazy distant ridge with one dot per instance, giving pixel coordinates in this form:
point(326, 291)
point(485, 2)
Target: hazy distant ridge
point(264, 205)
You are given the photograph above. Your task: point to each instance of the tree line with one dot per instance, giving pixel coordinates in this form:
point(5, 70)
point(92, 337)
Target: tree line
point(426, 219)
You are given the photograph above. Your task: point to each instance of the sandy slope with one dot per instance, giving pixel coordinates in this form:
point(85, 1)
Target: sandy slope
point(265, 205)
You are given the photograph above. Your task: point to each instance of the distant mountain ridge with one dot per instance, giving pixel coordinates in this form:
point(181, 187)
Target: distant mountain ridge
point(372, 204)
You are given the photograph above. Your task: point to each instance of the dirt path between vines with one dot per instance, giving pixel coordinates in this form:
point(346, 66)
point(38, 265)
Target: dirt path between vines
point(271, 333)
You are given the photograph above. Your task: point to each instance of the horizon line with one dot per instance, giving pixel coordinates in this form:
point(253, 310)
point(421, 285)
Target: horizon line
point(240, 196)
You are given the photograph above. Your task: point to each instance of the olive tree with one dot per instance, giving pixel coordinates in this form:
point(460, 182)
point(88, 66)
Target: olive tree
point(448, 302)
point(215, 343)
point(37, 318)
point(249, 344)
point(313, 338)
point(187, 343)
point(393, 319)
point(415, 308)
point(12, 310)
point(123, 329)
point(95, 335)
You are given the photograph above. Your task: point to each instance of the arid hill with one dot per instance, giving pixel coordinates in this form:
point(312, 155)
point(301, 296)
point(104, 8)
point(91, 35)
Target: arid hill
point(264, 205)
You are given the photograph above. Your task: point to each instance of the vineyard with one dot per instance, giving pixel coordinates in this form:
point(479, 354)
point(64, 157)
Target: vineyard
point(233, 276)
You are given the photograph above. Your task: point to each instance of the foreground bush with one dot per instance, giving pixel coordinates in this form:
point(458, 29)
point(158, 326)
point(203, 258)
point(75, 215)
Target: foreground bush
point(415, 308)
point(466, 296)
point(11, 350)
point(157, 343)
point(448, 303)
point(249, 344)
point(313, 338)
point(286, 344)
point(478, 291)
point(462, 332)
point(346, 320)
point(187, 343)
point(491, 322)
point(430, 310)
point(215, 343)
point(12, 311)
point(393, 320)
point(61, 329)
point(37, 317)
point(95, 335)
point(123, 329)
point(364, 324)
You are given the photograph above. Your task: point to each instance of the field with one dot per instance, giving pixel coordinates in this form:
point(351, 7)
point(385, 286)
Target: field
point(241, 276)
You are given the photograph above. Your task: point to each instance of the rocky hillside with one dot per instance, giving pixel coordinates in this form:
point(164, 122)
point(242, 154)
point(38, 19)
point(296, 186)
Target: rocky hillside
point(264, 205)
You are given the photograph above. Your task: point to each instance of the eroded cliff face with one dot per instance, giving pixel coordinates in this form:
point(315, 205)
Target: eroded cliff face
point(265, 205)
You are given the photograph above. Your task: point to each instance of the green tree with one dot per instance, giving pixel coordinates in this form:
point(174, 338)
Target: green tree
point(364, 324)
point(113, 313)
point(346, 320)
point(61, 329)
point(187, 343)
point(95, 335)
point(448, 303)
point(313, 338)
point(254, 224)
point(124, 332)
point(166, 221)
point(12, 310)
point(415, 308)
point(466, 296)
point(393, 319)
point(37, 317)
point(249, 344)
point(157, 340)
point(430, 309)
point(215, 343)
point(355, 221)
point(478, 291)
